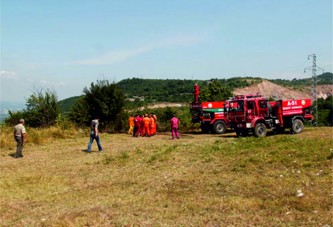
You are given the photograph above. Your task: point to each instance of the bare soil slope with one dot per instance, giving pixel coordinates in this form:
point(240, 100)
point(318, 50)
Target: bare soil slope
point(269, 89)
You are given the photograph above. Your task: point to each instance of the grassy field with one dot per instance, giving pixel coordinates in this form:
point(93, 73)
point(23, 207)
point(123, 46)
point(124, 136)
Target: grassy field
point(199, 180)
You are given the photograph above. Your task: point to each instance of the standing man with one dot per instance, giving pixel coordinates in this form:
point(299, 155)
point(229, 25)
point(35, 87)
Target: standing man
point(131, 124)
point(20, 138)
point(155, 119)
point(146, 126)
point(141, 125)
point(152, 125)
point(137, 125)
point(174, 122)
point(196, 92)
point(94, 135)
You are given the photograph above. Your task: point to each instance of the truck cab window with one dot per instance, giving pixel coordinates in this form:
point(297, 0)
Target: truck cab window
point(263, 104)
point(240, 106)
point(250, 105)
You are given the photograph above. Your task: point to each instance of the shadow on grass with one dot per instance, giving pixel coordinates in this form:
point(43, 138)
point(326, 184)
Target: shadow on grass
point(228, 134)
point(12, 155)
point(251, 134)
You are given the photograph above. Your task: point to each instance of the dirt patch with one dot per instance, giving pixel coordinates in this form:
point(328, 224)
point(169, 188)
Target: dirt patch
point(164, 105)
point(269, 89)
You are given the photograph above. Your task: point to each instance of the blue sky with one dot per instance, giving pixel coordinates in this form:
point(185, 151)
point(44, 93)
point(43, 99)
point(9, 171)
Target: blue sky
point(65, 45)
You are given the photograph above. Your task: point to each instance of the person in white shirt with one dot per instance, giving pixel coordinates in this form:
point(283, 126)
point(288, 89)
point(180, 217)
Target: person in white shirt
point(20, 138)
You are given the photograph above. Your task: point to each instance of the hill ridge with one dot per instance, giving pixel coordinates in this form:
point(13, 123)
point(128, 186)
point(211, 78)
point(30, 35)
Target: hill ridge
point(275, 91)
point(180, 90)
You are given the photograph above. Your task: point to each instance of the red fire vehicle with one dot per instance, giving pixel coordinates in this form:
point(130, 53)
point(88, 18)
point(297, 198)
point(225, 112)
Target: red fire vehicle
point(254, 114)
point(210, 115)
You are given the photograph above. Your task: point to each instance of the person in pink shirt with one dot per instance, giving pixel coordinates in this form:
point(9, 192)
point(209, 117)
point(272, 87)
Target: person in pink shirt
point(174, 122)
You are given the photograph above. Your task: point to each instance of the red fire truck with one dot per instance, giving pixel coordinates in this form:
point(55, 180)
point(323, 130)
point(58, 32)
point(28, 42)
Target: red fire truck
point(210, 115)
point(254, 114)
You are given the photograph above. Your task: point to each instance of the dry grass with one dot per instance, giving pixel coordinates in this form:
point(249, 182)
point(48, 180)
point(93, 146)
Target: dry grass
point(199, 180)
point(38, 136)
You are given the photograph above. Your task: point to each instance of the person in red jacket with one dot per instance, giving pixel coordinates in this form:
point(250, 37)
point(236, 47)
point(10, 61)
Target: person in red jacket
point(137, 125)
point(196, 92)
point(141, 124)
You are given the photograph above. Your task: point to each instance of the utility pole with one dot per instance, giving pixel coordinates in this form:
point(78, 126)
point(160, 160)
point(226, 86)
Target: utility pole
point(314, 86)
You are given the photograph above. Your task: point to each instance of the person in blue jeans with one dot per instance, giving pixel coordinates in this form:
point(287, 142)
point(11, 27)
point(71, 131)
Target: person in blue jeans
point(94, 135)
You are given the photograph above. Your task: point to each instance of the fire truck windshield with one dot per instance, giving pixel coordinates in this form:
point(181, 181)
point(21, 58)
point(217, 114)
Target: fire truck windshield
point(236, 106)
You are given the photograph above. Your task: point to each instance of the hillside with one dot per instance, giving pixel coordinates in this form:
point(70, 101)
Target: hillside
point(145, 91)
point(66, 104)
point(175, 90)
point(198, 180)
point(181, 90)
point(323, 79)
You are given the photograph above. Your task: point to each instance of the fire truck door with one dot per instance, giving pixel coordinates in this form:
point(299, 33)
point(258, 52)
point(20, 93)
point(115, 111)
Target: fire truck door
point(263, 108)
point(251, 111)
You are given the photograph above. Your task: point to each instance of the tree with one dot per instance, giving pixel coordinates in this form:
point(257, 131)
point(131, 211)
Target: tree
point(42, 109)
point(325, 107)
point(104, 100)
point(215, 91)
point(78, 113)
point(330, 117)
point(14, 117)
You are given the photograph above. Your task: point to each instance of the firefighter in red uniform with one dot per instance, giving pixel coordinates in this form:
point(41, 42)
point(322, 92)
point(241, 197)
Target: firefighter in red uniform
point(137, 125)
point(141, 124)
point(196, 92)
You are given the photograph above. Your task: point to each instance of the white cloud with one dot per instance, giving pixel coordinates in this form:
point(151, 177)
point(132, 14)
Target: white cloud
point(122, 55)
point(8, 75)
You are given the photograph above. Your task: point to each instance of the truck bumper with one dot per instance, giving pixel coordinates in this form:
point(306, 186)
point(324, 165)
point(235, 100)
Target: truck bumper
point(246, 125)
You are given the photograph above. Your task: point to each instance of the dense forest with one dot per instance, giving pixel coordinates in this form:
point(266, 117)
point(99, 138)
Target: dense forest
point(174, 90)
point(141, 92)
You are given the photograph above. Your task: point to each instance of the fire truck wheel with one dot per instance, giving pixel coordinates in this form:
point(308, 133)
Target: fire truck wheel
point(220, 127)
point(297, 126)
point(260, 130)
